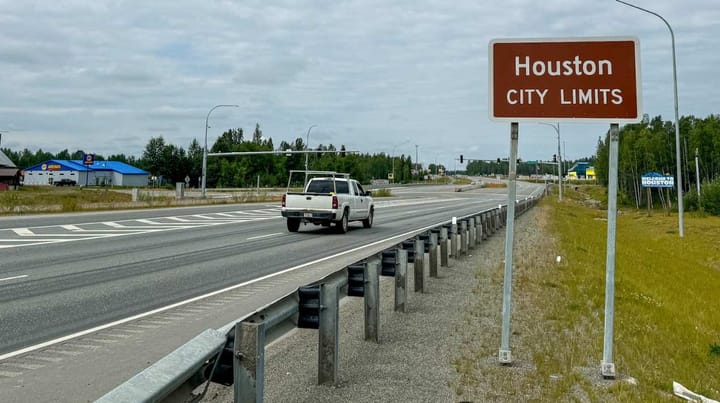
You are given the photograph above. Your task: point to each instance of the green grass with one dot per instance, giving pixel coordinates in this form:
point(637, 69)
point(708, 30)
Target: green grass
point(667, 288)
point(667, 316)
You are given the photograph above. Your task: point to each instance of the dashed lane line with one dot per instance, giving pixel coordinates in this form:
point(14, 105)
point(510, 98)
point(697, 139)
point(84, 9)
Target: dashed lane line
point(13, 277)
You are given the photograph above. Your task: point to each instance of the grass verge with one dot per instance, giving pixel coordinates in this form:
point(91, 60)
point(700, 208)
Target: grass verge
point(46, 199)
point(667, 321)
point(383, 192)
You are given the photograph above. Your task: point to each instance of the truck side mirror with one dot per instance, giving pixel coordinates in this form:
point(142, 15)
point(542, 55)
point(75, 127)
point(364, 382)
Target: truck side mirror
point(368, 193)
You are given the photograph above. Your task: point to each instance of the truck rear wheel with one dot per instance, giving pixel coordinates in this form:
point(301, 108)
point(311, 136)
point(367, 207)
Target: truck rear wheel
point(368, 222)
point(342, 226)
point(293, 224)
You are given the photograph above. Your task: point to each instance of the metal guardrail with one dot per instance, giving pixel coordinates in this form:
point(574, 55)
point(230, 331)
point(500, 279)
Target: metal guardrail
point(215, 356)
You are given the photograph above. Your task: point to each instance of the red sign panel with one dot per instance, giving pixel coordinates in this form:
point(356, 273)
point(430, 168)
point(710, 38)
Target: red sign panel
point(596, 79)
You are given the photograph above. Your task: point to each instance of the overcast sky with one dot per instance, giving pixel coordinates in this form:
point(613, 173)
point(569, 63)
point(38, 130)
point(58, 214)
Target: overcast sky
point(375, 75)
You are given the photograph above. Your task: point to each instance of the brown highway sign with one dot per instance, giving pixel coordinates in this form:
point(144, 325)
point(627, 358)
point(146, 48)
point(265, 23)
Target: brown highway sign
point(570, 79)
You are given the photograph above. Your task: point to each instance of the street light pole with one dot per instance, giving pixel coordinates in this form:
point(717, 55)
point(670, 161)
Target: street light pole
point(307, 144)
point(677, 118)
point(417, 163)
point(559, 160)
point(697, 172)
point(205, 149)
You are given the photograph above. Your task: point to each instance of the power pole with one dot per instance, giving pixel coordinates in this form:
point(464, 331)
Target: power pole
point(697, 172)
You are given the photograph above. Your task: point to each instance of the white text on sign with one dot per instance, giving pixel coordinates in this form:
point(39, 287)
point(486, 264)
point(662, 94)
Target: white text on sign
point(572, 96)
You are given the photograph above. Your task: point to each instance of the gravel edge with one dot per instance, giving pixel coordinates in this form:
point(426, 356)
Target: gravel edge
point(414, 360)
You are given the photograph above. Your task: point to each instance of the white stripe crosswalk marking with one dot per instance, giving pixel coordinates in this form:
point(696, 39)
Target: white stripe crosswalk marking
point(94, 230)
point(23, 231)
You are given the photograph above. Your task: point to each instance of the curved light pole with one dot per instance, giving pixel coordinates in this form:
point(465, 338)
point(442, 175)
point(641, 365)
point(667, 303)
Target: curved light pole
point(677, 119)
point(205, 149)
point(307, 144)
point(559, 161)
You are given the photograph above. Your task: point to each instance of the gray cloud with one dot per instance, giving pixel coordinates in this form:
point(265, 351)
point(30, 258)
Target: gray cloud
point(106, 76)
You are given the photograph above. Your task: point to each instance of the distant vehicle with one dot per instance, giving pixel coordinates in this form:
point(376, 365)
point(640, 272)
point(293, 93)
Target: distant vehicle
point(65, 182)
point(330, 199)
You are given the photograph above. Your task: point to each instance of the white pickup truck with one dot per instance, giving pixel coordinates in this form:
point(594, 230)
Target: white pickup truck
point(326, 200)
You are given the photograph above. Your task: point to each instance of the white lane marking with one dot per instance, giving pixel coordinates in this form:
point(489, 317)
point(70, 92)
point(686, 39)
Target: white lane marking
point(200, 297)
point(23, 231)
point(13, 278)
point(113, 224)
point(145, 221)
point(177, 219)
point(71, 227)
point(263, 236)
point(204, 217)
point(226, 215)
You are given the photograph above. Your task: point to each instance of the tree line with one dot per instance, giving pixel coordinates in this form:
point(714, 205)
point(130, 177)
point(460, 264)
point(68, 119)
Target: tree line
point(171, 163)
point(524, 168)
point(649, 146)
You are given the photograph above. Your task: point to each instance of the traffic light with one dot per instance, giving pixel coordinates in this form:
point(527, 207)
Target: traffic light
point(554, 157)
point(498, 160)
point(461, 158)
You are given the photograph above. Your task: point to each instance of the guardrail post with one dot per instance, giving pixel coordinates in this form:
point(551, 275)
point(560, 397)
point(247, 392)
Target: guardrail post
point(491, 223)
point(401, 281)
point(433, 255)
point(328, 349)
point(453, 240)
point(464, 240)
point(249, 362)
point(483, 226)
point(372, 299)
point(443, 247)
point(419, 265)
point(478, 230)
point(472, 233)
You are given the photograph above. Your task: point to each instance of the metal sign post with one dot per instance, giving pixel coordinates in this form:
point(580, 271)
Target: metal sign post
point(504, 355)
point(607, 366)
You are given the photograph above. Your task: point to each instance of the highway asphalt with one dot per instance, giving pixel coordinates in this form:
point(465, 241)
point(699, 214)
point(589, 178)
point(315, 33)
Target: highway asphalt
point(65, 275)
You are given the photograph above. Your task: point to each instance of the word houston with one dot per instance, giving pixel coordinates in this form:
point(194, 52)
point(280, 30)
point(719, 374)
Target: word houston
point(576, 66)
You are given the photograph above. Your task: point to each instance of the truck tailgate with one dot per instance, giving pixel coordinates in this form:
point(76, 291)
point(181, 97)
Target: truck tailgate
point(308, 201)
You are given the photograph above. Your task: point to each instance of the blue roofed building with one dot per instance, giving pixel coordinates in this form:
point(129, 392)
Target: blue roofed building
point(99, 173)
point(580, 171)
